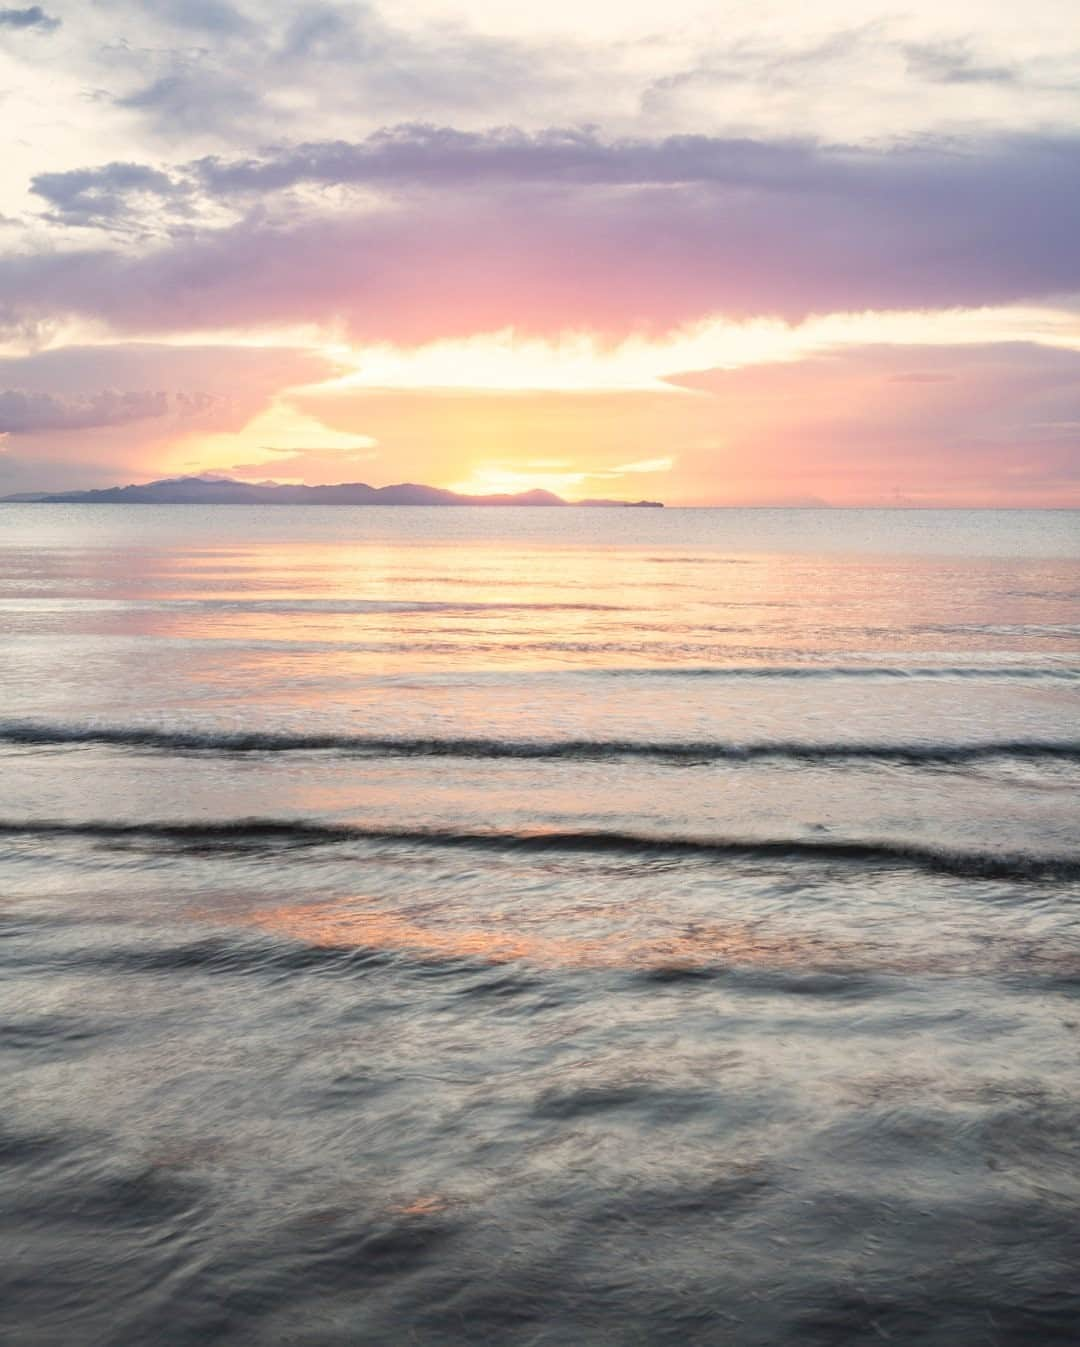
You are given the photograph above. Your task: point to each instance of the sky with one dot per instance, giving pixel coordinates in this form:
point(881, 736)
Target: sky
point(744, 253)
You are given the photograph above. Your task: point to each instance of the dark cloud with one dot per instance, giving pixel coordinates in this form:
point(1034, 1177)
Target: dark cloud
point(32, 18)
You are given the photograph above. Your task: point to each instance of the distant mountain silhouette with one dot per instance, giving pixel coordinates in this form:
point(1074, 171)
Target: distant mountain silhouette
point(636, 504)
point(226, 491)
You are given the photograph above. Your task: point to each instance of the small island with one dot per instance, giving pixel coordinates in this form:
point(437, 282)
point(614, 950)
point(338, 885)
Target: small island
point(228, 491)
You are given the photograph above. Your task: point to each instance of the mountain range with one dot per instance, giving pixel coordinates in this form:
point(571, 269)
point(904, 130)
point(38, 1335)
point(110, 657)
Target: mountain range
point(227, 491)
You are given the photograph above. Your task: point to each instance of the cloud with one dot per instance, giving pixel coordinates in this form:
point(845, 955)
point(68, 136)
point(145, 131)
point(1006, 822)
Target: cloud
point(242, 377)
point(200, 74)
point(196, 99)
point(953, 63)
point(103, 196)
point(308, 62)
point(23, 413)
point(769, 65)
point(779, 69)
point(316, 466)
point(646, 465)
point(990, 424)
point(422, 154)
point(32, 18)
point(564, 231)
point(67, 427)
point(205, 16)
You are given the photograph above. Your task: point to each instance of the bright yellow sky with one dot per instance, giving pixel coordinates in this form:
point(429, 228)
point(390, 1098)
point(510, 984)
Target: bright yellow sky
point(580, 418)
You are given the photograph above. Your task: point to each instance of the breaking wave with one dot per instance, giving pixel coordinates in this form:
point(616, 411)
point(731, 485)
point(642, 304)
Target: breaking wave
point(243, 834)
point(150, 738)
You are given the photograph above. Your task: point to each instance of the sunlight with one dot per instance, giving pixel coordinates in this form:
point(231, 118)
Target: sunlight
point(578, 362)
point(482, 415)
point(496, 480)
point(276, 441)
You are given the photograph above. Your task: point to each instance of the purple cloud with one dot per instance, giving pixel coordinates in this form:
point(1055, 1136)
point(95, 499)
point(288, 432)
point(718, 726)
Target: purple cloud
point(565, 231)
point(23, 413)
point(423, 154)
point(101, 196)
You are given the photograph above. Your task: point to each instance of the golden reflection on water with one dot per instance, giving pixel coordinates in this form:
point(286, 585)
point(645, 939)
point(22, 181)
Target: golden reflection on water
point(651, 946)
point(521, 606)
point(693, 946)
point(431, 1205)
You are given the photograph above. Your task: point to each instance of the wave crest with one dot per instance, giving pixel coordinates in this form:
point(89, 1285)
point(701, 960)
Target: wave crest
point(246, 834)
point(149, 738)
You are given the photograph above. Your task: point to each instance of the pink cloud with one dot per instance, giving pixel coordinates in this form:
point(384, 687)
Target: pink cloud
point(70, 428)
point(547, 237)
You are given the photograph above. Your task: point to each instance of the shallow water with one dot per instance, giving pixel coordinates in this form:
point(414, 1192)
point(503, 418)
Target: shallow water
point(537, 926)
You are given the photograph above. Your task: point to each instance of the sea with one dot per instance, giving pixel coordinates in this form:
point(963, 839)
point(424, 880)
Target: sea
point(539, 926)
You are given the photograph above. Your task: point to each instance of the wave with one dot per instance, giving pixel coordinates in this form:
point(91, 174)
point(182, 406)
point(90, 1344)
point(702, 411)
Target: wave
point(987, 629)
point(245, 834)
point(295, 605)
point(1052, 673)
point(29, 733)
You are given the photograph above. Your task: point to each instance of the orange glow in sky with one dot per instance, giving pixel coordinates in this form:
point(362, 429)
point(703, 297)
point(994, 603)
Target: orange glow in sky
point(856, 409)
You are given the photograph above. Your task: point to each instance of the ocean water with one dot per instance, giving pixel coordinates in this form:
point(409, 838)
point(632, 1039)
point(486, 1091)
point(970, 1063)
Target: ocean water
point(539, 927)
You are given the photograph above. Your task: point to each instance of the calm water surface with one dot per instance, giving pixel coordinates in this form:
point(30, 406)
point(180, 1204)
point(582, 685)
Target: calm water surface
point(539, 927)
